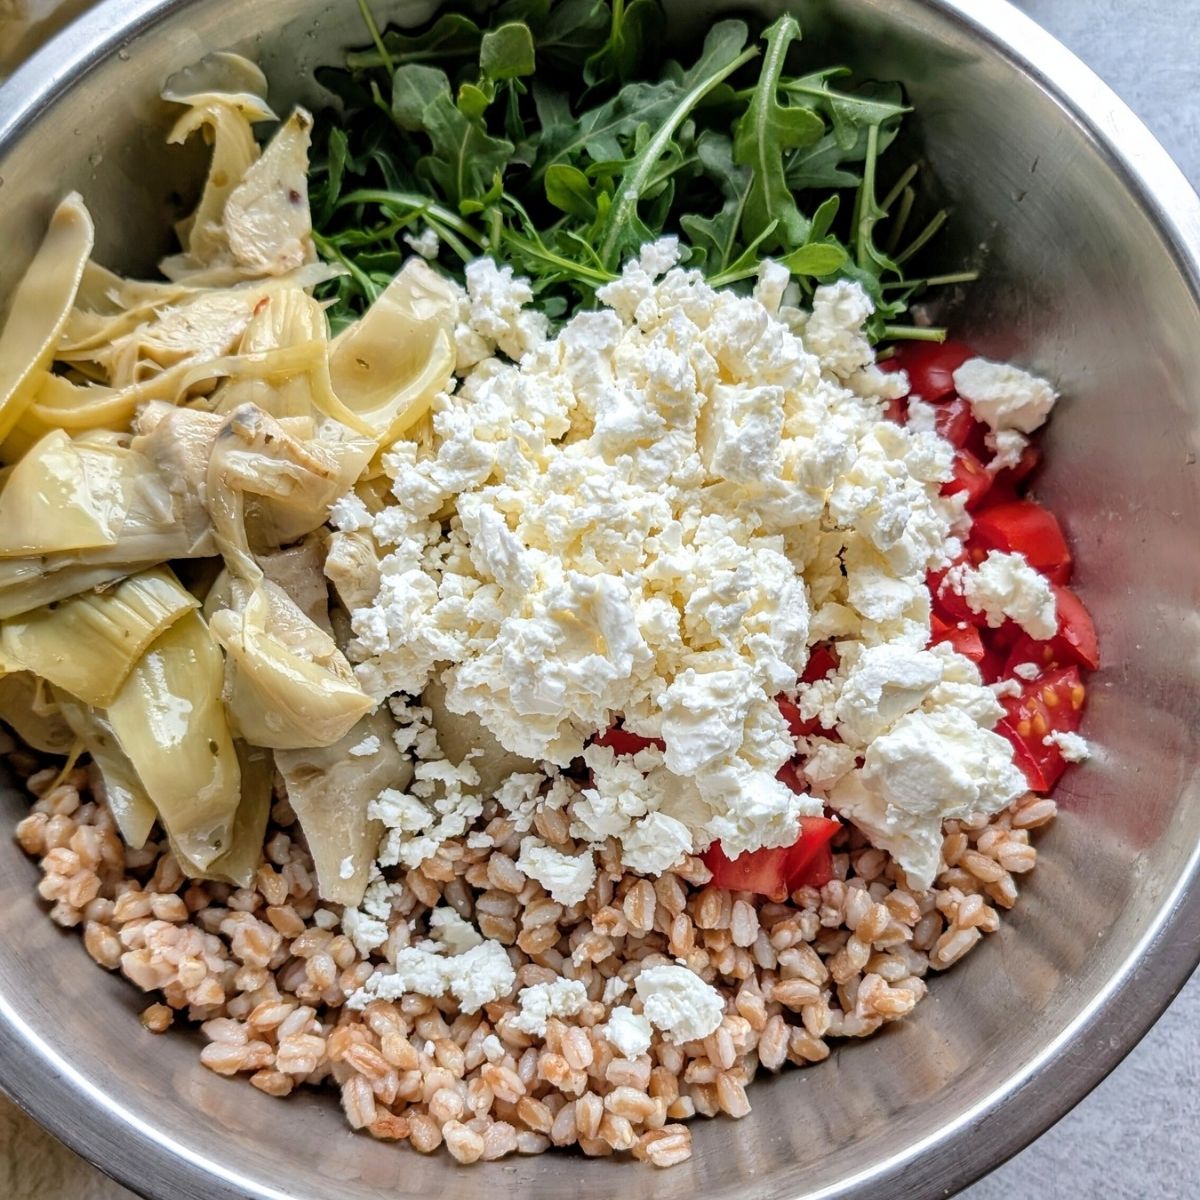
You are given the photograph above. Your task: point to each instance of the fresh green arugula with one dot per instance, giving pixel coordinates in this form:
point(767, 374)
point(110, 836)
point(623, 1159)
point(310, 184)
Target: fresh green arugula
point(551, 135)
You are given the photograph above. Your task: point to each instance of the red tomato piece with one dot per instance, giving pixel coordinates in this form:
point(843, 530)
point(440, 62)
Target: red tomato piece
point(1011, 478)
point(821, 660)
point(896, 411)
point(931, 366)
point(948, 604)
point(1051, 703)
point(779, 871)
point(991, 665)
point(971, 477)
point(1075, 641)
point(963, 638)
point(1023, 527)
point(956, 423)
point(620, 741)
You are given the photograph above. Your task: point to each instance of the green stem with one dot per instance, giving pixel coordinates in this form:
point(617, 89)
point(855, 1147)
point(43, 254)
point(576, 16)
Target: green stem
point(534, 250)
point(934, 280)
point(915, 333)
point(632, 185)
point(922, 237)
point(899, 186)
point(369, 18)
point(899, 222)
point(866, 211)
point(413, 200)
point(369, 288)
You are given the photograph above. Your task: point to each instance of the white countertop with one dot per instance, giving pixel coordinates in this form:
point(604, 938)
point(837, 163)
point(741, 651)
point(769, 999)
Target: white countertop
point(1135, 1136)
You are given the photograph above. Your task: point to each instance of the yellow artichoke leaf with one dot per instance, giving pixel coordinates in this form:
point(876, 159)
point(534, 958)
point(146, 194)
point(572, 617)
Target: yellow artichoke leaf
point(88, 644)
point(288, 686)
point(34, 718)
point(40, 307)
point(299, 571)
point(169, 720)
point(460, 734)
point(131, 807)
point(352, 566)
point(388, 366)
point(64, 496)
point(330, 790)
point(239, 863)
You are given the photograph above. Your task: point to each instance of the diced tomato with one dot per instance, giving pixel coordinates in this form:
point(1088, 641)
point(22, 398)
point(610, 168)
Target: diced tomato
point(1075, 641)
point(956, 423)
point(948, 604)
point(779, 871)
point(1011, 478)
point(963, 638)
point(620, 741)
point(821, 660)
point(991, 665)
point(1051, 703)
point(971, 477)
point(931, 366)
point(1023, 527)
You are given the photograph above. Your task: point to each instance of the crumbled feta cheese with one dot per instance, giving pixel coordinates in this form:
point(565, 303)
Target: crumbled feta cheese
point(477, 977)
point(452, 931)
point(366, 932)
point(1007, 446)
point(1006, 689)
point(426, 243)
point(492, 1047)
point(930, 766)
point(1005, 585)
point(346, 867)
point(1070, 745)
point(677, 1001)
point(1027, 671)
point(348, 514)
point(653, 515)
point(627, 1032)
point(567, 877)
point(614, 988)
point(1003, 395)
point(562, 998)
point(369, 745)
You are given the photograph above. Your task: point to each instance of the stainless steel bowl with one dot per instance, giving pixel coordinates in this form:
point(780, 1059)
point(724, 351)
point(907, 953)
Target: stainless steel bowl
point(1090, 242)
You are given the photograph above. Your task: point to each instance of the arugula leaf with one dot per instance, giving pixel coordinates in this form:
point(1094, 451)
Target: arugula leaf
point(507, 51)
point(452, 37)
point(632, 33)
point(465, 159)
point(766, 131)
point(622, 230)
point(553, 135)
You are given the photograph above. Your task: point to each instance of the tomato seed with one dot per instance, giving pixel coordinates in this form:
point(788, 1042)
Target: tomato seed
point(1050, 696)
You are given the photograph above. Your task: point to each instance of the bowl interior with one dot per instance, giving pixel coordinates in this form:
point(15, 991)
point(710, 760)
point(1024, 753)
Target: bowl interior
point(1085, 281)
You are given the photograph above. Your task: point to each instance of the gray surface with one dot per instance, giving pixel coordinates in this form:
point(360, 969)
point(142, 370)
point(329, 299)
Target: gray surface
point(1134, 1136)
point(1131, 1138)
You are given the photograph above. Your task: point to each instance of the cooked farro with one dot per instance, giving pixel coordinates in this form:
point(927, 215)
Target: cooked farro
point(268, 981)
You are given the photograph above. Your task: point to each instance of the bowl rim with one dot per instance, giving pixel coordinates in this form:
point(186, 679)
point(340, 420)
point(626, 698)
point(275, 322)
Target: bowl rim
point(40, 1078)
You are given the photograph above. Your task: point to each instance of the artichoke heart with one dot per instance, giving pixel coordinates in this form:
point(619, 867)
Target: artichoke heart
point(331, 789)
point(387, 367)
point(88, 644)
point(169, 721)
point(288, 685)
point(40, 308)
point(28, 709)
point(131, 807)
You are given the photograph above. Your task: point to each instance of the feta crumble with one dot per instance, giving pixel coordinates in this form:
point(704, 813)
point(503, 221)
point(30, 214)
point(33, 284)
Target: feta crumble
point(1070, 745)
point(627, 1032)
point(562, 998)
point(1005, 585)
point(679, 1002)
point(1004, 396)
